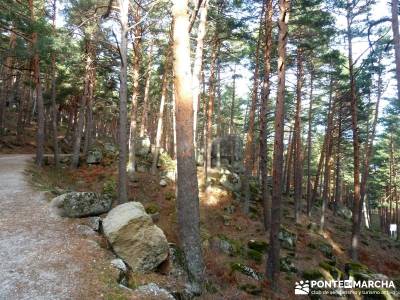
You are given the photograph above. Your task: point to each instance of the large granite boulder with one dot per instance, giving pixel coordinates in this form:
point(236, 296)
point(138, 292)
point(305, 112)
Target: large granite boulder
point(134, 237)
point(94, 156)
point(81, 204)
point(142, 145)
point(344, 212)
point(287, 238)
point(229, 149)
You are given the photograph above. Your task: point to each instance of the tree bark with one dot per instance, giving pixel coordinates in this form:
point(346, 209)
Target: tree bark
point(273, 263)
point(123, 99)
point(370, 143)
point(265, 193)
point(164, 85)
point(83, 100)
point(135, 93)
point(143, 125)
point(210, 108)
point(396, 42)
point(298, 153)
point(187, 187)
point(309, 139)
point(39, 93)
point(356, 144)
point(198, 64)
point(249, 147)
point(53, 93)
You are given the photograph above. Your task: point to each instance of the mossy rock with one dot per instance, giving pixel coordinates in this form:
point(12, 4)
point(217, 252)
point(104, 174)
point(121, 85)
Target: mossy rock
point(311, 245)
point(355, 267)
point(258, 245)
point(326, 249)
point(152, 208)
point(251, 289)
point(313, 227)
point(229, 246)
point(287, 265)
point(313, 274)
point(357, 271)
point(287, 238)
point(254, 255)
point(110, 188)
point(211, 287)
point(246, 270)
point(169, 195)
point(333, 271)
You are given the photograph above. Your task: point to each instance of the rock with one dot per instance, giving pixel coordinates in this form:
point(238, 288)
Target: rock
point(176, 262)
point(110, 148)
point(134, 237)
point(143, 146)
point(230, 150)
point(81, 204)
point(227, 245)
point(231, 182)
point(287, 265)
point(246, 270)
point(163, 182)
point(255, 255)
point(142, 169)
point(313, 227)
point(258, 245)
point(169, 174)
point(251, 289)
point(152, 291)
point(94, 156)
point(326, 249)
point(230, 209)
point(344, 212)
point(95, 223)
point(313, 274)
point(155, 217)
point(84, 230)
point(334, 272)
point(119, 264)
point(287, 238)
point(227, 220)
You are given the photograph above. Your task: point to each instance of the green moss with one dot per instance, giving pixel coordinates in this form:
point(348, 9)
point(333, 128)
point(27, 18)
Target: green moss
point(312, 245)
point(110, 188)
point(169, 195)
point(326, 249)
point(152, 208)
point(313, 274)
point(239, 267)
point(236, 247)
point(335, 272)
point(255, 255)
point(258, 245)
point(251, 289)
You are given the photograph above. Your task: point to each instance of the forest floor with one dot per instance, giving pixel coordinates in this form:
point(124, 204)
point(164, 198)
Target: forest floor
point(41, 253)
point(222, 218)
point(44, 256)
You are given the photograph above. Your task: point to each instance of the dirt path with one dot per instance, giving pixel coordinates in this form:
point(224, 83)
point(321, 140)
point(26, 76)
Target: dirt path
point(43, 256)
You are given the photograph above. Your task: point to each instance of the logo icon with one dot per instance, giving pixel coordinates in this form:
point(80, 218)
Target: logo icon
point(302, 288)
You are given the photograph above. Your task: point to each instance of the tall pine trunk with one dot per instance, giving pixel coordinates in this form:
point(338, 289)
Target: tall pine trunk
point(187, 187)
point(355, 235)
point(198, 65)
point(137, 32)
point(123, 99)
point(298, 152)
point(273, 264)
point(265, 193)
